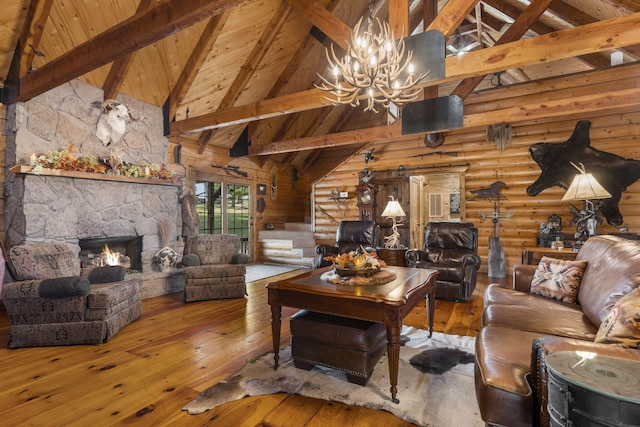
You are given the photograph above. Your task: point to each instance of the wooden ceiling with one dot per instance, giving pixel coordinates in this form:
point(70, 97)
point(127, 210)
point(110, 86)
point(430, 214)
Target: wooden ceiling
point(223, 66)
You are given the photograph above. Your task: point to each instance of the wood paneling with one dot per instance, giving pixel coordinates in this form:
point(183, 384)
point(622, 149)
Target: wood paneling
point(617, 132)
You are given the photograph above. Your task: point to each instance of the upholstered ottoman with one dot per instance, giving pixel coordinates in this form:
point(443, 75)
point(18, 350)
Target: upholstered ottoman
point(350, 345)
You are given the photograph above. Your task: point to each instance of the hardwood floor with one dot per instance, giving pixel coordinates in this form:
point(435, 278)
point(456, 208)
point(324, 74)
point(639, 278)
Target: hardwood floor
point(152, 368)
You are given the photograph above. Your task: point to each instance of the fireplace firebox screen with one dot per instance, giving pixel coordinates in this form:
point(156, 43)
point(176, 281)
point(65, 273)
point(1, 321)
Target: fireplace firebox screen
point(129, 246)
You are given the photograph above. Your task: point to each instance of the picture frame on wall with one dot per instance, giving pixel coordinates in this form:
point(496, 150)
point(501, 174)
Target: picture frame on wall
point(261, 189)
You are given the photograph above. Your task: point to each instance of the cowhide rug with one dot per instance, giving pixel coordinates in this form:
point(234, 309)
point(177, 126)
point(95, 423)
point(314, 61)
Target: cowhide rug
point(435, 382)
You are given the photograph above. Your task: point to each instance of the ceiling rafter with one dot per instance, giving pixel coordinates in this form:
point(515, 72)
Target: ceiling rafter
point(142, 29)
point(515, 31)
point(563, 44)
point(576, 18)
point(253, 61)
point(322, 18)
point(594, 60)
point(196, 59)
point(566, 106)
point(37, 16)
point(120, 67)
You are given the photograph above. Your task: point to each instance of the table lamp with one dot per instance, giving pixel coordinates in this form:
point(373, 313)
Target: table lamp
point(393, 210)
point(586, 188)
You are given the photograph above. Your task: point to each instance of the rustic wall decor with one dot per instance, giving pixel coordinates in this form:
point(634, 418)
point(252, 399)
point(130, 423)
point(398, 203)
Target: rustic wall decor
point(615, 173)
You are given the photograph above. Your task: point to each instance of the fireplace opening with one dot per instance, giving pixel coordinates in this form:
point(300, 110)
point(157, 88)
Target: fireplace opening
point(129, 246)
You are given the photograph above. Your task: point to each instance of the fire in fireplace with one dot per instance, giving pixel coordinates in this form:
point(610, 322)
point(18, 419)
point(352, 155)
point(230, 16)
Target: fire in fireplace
point(97, 248)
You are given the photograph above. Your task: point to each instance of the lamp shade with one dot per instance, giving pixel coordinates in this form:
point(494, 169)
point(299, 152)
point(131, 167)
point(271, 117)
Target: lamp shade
point(393, 209)
point(585, 187)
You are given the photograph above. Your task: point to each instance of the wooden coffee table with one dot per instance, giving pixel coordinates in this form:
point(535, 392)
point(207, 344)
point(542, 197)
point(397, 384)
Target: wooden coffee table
point(388, 304)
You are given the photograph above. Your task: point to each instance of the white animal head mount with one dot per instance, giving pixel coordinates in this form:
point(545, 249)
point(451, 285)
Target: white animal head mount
point(112, 123)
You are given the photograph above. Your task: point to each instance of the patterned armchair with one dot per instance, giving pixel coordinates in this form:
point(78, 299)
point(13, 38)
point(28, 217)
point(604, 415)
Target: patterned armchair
point(52, 304)
point(451, 248)
point(214, 268)
point(350, 235)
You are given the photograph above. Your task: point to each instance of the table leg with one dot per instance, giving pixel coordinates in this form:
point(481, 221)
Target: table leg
point(431, 306)
point(276, 312)
point(393, 351)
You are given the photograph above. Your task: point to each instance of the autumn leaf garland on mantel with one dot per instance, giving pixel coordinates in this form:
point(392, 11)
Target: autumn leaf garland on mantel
point(65, 160)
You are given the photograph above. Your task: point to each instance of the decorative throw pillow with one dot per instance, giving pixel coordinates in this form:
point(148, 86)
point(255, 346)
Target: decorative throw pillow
point(558, 279)
point(622, 324)
point(64, 287)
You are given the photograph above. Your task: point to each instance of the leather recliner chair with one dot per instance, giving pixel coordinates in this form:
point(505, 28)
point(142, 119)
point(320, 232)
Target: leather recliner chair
point(451, 248)
point(350, 236)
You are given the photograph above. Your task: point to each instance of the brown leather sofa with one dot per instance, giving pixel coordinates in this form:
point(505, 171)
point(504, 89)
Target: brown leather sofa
point(451, 248)
point(520, 329)
point(350, 236)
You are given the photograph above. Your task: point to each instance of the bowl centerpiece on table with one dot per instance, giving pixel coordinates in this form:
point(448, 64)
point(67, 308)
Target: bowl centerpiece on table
point(356, 263)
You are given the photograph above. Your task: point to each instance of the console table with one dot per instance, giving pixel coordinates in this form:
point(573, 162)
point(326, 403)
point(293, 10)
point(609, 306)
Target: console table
point(534, 255)
point(601, 391)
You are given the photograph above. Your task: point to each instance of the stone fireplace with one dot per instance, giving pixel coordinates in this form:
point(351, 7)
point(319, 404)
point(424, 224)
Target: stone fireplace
point(65, 207)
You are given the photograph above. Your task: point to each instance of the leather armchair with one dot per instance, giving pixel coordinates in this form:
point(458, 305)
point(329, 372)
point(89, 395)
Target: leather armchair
point(350, 235)
point(451, 248)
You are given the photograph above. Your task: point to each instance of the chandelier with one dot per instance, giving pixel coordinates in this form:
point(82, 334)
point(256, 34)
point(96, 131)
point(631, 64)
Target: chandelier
point(374, 67)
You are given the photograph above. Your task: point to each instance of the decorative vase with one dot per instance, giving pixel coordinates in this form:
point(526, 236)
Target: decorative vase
point(166, 259)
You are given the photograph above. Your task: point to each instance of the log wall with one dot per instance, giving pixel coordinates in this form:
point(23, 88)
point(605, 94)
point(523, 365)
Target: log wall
point(613, 131)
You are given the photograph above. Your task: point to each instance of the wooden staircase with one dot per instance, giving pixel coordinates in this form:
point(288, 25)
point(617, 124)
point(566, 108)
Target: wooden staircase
point(294, 245)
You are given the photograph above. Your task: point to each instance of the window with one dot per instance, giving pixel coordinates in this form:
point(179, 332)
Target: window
point(223, 208)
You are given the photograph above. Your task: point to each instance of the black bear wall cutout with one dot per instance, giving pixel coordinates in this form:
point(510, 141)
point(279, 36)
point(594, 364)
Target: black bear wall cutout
point(613, 172)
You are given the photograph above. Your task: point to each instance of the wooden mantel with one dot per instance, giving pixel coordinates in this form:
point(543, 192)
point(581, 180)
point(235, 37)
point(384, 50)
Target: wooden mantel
point(176, 181)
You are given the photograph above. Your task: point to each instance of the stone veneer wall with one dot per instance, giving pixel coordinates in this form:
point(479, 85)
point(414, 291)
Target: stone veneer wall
point(39, 208)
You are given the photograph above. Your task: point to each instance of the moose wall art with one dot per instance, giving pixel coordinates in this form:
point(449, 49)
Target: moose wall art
point(613, 172)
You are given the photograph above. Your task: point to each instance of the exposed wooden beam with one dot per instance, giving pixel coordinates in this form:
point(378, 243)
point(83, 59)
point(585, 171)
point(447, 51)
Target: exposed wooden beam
point(571, 105)
point(331, 140)
point(140, 30)
point(429, 14)
point(451, 16)
point(198, 56)
point(328, 23)
point(599, 36)
point(253, 60)
point(120, 67)
point(32, 33)
point(446, 22)
point(399, 18)
point(594, 60)
point(514, 32)
point(576, 17)
point(292, 66)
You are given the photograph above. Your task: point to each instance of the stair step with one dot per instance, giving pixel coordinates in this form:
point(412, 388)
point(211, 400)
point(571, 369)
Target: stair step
point(287, 244)
point(295, 244)
point(307, 262)
point(297, 226)
point(285, 235)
